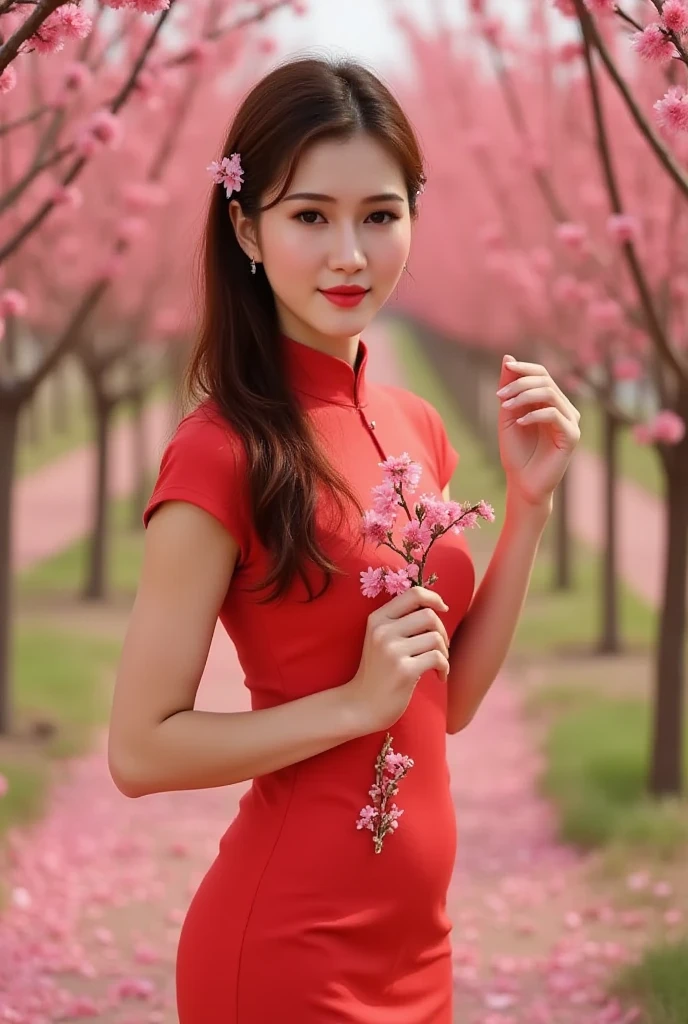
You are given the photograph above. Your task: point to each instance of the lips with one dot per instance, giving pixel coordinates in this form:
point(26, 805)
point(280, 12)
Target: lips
point(345, 294)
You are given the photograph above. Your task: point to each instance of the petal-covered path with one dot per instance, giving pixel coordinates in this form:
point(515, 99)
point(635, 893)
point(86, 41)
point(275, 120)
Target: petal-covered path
point(98, 889)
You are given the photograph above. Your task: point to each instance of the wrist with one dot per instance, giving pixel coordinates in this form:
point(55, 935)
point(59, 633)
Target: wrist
point(354, 712)
point(520, 509)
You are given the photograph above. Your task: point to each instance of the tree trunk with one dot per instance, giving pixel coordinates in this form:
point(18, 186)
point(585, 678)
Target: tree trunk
point(610, 641)
point(60, 399)
point(666, 776)
point(9, 432)
point(95, 587)
point(562, 537)
point(139, 496)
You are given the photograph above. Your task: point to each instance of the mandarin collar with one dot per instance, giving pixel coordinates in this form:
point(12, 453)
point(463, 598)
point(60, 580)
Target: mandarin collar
point(324, 376)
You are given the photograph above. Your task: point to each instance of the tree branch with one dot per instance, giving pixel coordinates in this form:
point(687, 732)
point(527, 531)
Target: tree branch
point(642, 287)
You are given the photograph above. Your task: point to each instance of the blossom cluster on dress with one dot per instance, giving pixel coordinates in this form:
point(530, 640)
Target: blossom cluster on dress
point(430, 520)
point(390, 769)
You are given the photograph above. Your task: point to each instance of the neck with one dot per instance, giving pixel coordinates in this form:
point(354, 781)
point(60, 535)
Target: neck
point(344, 347)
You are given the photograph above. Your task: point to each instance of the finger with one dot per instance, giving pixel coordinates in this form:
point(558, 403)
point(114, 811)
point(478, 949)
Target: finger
point(414, 597)
point(417, 622)
point(420, 643)
point(550, 415)
point(546, 396)
point(519, 385)
point(522, 368)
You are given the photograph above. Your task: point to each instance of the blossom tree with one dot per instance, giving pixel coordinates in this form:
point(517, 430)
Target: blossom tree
point(581, 222)
point(84, 176)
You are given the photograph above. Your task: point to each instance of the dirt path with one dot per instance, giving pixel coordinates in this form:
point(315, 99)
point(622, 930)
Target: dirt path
point(100, 886)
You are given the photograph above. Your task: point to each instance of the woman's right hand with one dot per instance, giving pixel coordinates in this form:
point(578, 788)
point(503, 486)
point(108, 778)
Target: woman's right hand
point(404, 638)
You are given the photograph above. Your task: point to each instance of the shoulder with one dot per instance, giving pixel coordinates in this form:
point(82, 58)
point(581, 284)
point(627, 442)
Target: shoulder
point(422, 412)
point(204, 463)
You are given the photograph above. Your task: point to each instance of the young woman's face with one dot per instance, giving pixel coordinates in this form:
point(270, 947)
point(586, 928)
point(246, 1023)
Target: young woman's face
point(353, 229)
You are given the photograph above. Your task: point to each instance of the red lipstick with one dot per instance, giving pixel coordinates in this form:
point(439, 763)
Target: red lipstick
point(346, 295)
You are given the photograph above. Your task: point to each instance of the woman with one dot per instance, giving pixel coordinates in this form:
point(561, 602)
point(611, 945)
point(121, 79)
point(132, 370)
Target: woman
point(256, 519)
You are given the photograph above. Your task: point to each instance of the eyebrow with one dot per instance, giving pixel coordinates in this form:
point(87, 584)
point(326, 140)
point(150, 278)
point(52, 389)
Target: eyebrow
point(318, 197)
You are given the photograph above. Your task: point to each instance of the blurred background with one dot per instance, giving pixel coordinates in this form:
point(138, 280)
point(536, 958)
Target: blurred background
point(553, 226)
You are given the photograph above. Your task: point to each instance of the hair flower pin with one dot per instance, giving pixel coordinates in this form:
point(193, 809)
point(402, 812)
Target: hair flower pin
point(227, 172)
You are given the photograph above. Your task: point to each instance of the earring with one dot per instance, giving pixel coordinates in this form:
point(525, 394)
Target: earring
point(253, 266)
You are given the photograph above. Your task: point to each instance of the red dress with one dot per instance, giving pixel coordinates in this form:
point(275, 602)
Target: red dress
point(298, 920)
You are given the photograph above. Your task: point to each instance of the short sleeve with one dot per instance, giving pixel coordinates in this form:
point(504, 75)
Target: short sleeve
point(203, 464)
point(447, 455)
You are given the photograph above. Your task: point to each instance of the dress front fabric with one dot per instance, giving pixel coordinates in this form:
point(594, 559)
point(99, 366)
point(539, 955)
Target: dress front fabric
point(298, 920)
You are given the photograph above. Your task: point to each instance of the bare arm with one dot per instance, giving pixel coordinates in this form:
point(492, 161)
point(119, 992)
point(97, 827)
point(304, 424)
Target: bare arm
point(157, 742)
point(482, 639)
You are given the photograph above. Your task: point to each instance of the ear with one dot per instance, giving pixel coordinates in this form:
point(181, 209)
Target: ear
point(245, 231)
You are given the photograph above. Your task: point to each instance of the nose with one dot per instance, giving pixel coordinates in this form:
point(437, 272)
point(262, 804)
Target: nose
point(347, 253)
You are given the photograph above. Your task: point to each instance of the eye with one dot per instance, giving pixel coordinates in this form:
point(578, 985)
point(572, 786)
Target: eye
point(307, 213)
point(384, 213)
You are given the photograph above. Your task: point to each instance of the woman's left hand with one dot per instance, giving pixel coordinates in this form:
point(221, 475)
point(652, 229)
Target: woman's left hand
point(538, 430)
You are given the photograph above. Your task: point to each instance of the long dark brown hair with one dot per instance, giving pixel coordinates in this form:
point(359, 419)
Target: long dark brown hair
point(236, 360)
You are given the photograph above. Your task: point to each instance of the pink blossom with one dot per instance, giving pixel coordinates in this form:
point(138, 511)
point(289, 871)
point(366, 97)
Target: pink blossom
point(486, 511)
point(573, 236)
point(4, 786)
point(299, 7)
point(8, 79)
point(601, 6)
point(672, 109)
point(397, 762)
point(402, 471)
point(376, 526)
point(69, 196)
point(396, 582)
point(627, 368)
point(76, 76)
point(654, 44)
point(623, 227)
point(142, 6)
point(368, 817)
point(13, 303)
point(566, 7)
point(568, 52)
point(103, 128)
point(227, 172)
point(675, 16)
point(386, 499)
point(416, 535)
point(493, 30)
point(372, 582)
point(606, 314)
point(667, 427)
point(76, 24)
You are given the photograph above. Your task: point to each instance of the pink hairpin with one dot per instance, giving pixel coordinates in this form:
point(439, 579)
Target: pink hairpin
point(227, 172)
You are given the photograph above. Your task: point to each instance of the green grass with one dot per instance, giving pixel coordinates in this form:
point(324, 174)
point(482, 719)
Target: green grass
point(639, 463)
point(597, 752)
point(59, 681)
point(659, 983)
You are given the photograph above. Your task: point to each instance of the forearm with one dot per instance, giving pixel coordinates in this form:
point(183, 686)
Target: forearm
point(205, 749)
point(481, 641)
